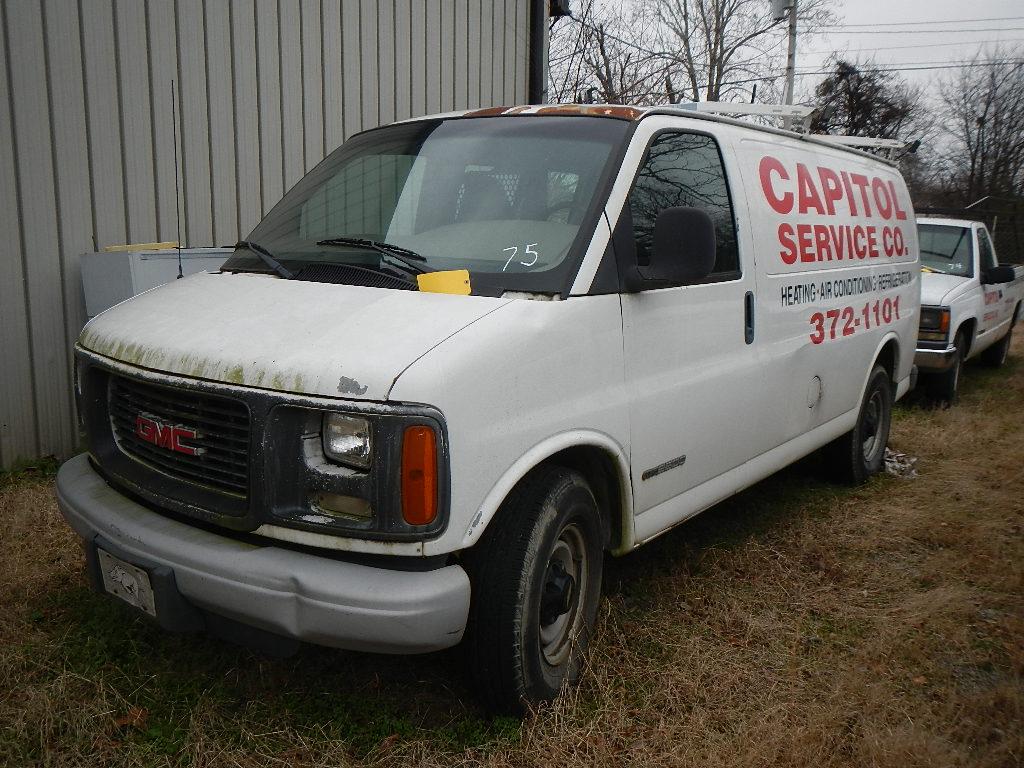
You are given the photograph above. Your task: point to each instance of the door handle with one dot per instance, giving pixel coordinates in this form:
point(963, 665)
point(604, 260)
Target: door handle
point(748, 317)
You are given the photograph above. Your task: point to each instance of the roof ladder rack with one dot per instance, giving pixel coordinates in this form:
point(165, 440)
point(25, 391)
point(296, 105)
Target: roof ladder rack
point(894, 148)
point(798, 114)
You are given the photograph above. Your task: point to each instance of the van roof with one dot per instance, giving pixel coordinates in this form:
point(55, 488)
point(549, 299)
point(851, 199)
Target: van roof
point(630, 113)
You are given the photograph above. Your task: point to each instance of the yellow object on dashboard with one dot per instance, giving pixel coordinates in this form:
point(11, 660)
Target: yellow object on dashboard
point(452, 281)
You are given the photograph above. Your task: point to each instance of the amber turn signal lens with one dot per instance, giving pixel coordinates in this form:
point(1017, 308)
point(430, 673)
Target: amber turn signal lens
point(419, 476)
point(944, 321)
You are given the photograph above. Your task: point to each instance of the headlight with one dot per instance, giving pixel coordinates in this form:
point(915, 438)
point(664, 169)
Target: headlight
point(347, 440)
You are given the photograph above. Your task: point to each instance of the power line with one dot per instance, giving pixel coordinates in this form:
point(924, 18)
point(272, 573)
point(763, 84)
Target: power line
point(919, 31)
point(927, 45)
point(923, 23)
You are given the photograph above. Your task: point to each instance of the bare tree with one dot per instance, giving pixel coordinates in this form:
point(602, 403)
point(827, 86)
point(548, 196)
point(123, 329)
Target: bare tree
point(603, 54)
point(720, 48)
point(985, 103)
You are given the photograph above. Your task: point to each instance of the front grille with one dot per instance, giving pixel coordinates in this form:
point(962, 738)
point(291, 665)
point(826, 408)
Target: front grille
point(221, 426)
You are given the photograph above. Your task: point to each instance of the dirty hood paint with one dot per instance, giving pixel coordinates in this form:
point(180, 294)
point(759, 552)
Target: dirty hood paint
point(938, 289)
point(255, 330)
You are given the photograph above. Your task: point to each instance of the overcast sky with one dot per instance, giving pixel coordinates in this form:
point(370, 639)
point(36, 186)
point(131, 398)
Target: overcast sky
point(914, 33)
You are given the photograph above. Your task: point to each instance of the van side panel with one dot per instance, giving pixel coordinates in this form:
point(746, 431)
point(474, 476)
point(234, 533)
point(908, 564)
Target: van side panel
point(838, 271)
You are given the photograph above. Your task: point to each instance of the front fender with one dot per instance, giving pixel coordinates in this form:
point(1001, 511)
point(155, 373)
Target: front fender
point(536, 456)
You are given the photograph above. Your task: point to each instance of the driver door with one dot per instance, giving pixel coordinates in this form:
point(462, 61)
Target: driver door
point(691, 363)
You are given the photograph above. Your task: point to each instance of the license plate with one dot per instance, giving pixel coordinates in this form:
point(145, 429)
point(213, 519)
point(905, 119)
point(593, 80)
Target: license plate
point(127, 582)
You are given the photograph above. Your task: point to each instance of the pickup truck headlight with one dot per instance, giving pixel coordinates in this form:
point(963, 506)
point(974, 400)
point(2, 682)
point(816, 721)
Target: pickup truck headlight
point(347, 440)
point(934, 324)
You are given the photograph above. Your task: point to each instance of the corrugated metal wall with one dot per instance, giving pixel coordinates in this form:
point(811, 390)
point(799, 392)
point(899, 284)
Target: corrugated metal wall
point(266, 89)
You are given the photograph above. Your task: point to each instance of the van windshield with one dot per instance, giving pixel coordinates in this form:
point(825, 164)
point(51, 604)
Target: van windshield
point(946, 249)
point(505, 197)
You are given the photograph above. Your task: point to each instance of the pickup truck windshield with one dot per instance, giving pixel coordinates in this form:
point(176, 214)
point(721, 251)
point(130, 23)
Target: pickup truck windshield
point(946, 249)
point(508, 198)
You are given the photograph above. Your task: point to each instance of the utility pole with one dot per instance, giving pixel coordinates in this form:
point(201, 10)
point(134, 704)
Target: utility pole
point(780, 9)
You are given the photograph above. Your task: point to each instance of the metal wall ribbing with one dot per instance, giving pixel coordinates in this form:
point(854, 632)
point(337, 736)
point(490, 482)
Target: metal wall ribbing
point(266, 88)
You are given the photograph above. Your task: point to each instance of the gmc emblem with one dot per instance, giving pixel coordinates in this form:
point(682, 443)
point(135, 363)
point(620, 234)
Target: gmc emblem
point(168, 436)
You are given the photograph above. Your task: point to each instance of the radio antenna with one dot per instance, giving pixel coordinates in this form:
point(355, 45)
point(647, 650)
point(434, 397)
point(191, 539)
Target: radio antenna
point(177, 183)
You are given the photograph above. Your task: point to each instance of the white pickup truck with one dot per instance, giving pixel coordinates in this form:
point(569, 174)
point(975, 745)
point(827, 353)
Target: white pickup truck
point(969, 302)
point(466, 355)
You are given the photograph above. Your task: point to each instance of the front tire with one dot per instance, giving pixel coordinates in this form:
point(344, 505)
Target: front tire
point(860, 453)
point(536, 578)
point(946, 385)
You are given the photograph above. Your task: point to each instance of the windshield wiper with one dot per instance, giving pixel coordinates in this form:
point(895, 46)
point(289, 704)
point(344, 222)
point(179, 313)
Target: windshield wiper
point(267, 258)
point(403, 256)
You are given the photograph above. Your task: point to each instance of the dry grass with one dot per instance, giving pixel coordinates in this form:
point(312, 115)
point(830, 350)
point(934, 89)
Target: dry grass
point(798, 624)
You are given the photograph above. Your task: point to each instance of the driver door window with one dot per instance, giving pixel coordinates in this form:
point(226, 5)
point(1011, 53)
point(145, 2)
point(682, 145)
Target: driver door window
point(685, 169)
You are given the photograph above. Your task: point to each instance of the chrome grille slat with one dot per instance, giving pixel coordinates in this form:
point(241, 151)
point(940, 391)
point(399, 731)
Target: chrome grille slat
point(221, 423)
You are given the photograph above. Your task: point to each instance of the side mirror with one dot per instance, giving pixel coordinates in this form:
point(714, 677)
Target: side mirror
point(998, 274)
point(683, 250)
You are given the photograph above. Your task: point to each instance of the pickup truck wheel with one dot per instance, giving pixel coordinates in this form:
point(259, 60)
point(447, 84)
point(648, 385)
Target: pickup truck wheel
point(995, 356)
point(536, 579)
point(860, 453)
point(946, 385)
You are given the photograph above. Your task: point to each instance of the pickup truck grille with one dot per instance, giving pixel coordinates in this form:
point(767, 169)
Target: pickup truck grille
point(188, 435)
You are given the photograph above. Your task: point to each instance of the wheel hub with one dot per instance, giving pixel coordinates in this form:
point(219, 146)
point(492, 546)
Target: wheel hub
point(558, 594)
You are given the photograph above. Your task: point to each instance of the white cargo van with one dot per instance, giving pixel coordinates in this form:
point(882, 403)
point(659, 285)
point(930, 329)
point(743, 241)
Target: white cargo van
point(467, 355)
point(970, 302)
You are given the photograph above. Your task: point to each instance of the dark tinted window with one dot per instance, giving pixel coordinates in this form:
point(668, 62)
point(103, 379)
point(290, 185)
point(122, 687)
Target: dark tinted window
point(684, 169)
point(987, 256)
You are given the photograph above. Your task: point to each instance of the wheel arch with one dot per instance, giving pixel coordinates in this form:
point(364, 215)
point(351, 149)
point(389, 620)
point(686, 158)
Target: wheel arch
point(594, 455)
point(968, 327)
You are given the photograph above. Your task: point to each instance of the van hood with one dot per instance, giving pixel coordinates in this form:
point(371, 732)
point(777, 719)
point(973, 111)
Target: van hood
point(257, 330)
point(939, 290)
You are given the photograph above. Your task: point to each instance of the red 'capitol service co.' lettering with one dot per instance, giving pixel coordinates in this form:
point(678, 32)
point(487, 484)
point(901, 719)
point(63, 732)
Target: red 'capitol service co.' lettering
point(830, 193)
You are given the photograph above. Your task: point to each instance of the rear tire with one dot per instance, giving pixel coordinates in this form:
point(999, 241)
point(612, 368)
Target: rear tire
point(860, 453)
point(995, 356)
point(536, 578)
point(946, 385)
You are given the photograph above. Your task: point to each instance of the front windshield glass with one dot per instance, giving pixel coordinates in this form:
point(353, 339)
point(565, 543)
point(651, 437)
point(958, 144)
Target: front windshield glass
point(946, 249)
point(503, 197)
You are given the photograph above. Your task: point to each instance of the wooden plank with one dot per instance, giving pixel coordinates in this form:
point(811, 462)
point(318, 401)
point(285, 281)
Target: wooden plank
point(369, 106)
point(433, 55)
point(460, 56)
point(246, 114)
point(312, 83)
point(473, 54)
point(418, 59)
point(71, 150)
point(294, 145)
point(403, 60)
point(352, 61)
point(17, 408)
point(39, 236)
point(162, 65)
point(135, 116)
point(334, 84)
point(268, 80)
point(386, 62)
point(220, 107)
point(103, 125)
point(196, 178)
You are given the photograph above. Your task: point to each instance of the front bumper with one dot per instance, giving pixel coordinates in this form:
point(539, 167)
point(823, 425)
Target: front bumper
point(289, 593)
point(935, 360)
